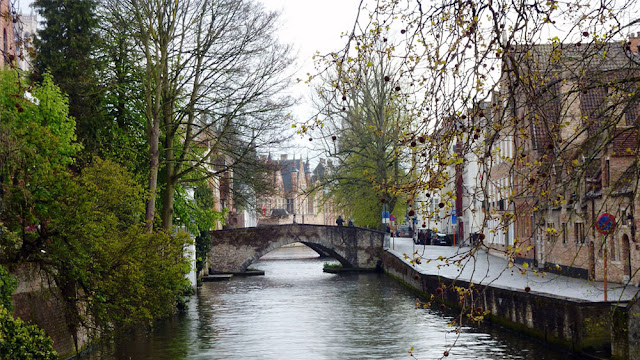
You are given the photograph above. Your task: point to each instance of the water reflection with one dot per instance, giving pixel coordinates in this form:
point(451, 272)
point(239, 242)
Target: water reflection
point(298, 312)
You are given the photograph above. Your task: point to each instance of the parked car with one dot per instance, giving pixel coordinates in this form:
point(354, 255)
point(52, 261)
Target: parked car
point(404, 231)
point(443, 240)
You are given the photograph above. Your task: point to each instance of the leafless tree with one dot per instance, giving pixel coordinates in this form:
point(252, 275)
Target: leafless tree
point(214, 73)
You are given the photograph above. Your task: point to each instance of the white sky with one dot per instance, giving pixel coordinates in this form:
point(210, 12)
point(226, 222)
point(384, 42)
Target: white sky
point(310, 26)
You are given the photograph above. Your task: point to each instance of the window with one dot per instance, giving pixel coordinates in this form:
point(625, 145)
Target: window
point(612, 241)
point(310, 205)
point(507, 240)
point(290, 206)
point(579, 233)
point(551, 234)
point(564, 233)
point(4, 43)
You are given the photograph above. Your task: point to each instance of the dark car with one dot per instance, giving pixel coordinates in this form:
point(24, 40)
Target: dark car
point(442, 240)
point(404, 231)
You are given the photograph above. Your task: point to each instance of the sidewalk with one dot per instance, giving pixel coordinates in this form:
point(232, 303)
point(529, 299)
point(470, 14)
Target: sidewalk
point(486, 269)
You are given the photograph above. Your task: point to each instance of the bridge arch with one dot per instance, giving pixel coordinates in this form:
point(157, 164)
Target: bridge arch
point(234, 250)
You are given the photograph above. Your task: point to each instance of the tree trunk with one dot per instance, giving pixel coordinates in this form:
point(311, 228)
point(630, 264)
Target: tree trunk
point(171, 182)
point(167, 204)
point(154, 162)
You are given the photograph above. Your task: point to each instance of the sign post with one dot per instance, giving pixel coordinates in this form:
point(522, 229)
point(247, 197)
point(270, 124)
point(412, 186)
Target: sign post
point(605, 224)
point(393, 231)
point(454, 220)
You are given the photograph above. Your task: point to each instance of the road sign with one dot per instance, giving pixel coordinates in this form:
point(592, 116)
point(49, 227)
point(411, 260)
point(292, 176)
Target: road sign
point(392, 218)
point(454, 218)
point(606, 223)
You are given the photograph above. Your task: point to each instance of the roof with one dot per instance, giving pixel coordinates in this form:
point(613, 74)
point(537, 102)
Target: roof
point(625, 142)
point(319, 172)
point(279, 212)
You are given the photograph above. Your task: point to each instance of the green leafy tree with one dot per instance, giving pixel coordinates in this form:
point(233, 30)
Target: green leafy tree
point(66, 46)
point(84, 228)
point(8, 285)
point(363, 129)
point(38, 145)
point(125, 141)
point(359, 199)
point(100, 255)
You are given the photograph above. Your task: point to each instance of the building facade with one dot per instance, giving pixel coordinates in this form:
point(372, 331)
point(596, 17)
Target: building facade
point(298, 195)
point(573, 159)
point(8, 46)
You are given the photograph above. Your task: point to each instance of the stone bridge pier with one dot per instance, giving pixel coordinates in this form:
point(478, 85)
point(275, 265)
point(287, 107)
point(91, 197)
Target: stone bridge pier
point(234, 250)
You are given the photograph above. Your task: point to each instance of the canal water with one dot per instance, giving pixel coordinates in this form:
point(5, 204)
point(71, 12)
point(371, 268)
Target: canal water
point(296, 311)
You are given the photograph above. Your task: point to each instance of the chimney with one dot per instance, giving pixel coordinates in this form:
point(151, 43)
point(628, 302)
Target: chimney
point(322, 161)
point(283, 157)
point(330, 163)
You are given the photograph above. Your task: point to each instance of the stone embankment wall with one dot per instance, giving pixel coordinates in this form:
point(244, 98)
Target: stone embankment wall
point(573, 325)
point(35, 302)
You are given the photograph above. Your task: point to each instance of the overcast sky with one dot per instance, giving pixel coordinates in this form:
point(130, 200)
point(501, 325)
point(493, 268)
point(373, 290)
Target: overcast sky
point(310, 26)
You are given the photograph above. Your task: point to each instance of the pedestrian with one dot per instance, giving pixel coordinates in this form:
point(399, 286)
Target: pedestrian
point(294, 218)
point(350, 222)
point(339, 221)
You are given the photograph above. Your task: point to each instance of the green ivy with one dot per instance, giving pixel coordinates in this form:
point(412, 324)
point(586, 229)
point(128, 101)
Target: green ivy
point(19, 341)
point(7, 286)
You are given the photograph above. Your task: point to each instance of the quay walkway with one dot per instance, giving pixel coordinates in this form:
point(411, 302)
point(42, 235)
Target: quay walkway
point(486, 269)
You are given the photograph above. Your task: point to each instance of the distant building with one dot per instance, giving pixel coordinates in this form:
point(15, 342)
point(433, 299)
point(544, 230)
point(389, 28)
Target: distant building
point(25, 29)
point(298, 194)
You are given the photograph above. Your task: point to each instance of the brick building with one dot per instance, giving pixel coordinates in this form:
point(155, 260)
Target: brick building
point(572, 155)
point(8, 47)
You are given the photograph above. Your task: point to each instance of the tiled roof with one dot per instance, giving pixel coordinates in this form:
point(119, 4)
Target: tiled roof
point(592, 103)
point(547, 110)
point(288, 169)
point(625, 142)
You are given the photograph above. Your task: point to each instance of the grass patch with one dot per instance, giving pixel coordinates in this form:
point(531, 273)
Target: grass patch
point(332, 265)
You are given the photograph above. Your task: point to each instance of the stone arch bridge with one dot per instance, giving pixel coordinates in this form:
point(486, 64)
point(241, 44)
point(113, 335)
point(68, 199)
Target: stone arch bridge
point(234, 250)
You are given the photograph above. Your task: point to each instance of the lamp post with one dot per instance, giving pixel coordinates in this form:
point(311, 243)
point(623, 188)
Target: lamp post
point(632, 230)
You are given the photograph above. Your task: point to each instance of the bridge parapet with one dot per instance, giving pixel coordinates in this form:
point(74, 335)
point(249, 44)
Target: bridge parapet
point(234, 250)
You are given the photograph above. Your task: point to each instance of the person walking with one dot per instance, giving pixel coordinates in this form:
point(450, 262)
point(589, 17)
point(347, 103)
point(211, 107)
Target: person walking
point(339, 221)
point(350, 223)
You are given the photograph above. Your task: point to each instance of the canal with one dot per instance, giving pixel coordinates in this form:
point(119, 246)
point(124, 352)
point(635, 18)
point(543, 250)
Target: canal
point(296, 311)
